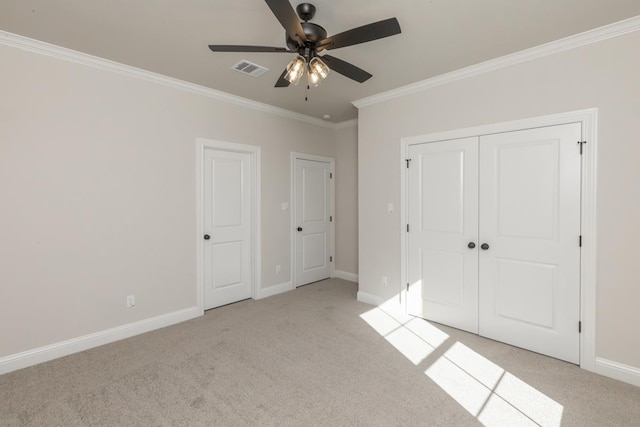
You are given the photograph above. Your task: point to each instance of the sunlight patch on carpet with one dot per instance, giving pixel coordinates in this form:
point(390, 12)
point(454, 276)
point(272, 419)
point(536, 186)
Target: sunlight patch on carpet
point(413, 341)
point(485, 390)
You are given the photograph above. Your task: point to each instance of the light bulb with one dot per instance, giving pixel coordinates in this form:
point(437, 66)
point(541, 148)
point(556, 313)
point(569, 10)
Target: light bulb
point(314, 78)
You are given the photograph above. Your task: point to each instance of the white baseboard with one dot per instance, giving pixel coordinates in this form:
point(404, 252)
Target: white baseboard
point(618, 371)
point(345, 276)
point(274, 290)
point(370, 298)
point(13, 362)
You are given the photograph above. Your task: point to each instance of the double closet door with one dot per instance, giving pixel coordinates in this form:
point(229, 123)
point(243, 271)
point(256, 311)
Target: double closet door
point(493, 244)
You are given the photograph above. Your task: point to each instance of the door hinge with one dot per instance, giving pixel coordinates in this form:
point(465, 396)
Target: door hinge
point(330, 175)
point(581, 143)
point(407, 287)
point(330, 259)
point(579, 327)
point(330, 219)
point(407, 228)
point(407, 160)
point(580, 241)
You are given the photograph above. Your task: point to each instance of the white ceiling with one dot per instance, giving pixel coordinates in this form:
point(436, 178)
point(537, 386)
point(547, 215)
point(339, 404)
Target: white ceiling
point(170, 37)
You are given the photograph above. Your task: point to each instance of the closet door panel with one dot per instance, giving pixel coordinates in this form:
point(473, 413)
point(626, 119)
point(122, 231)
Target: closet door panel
point(443, 201)
point(529, 216)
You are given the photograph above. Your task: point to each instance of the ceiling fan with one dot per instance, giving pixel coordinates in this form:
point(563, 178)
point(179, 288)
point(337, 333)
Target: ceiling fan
point(308, 39)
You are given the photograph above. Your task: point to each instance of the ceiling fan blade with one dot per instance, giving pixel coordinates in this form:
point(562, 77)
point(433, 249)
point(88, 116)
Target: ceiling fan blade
point(346, 69)
point(288, 19)
point(239, 48)
point(366, 33)
point(282, 82)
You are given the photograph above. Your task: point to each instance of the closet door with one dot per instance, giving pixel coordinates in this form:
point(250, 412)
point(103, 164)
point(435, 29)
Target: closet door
point(529, 261)
point(442, 242)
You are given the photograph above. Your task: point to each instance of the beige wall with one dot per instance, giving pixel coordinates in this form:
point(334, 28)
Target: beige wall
point(97, 190)
point(602, 75)
point(346, 229)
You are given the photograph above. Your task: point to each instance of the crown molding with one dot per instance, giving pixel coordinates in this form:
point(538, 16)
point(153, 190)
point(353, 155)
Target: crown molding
point(65, 54)
point(346, 124)
point(588, 37)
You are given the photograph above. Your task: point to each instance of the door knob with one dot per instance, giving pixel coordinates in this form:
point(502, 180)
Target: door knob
point(207, 237)
point(299, 228)
point(471, 245)
point(484, 246)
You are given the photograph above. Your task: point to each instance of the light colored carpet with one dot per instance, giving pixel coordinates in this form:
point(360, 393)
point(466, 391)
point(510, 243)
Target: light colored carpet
point(314, 356)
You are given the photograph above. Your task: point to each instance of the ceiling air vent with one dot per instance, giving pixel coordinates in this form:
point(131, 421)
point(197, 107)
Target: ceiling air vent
point(249, 68)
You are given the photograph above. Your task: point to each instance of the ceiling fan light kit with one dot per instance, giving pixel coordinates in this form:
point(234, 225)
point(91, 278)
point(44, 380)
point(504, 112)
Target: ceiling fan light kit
point(316, 71)
point(307, 39)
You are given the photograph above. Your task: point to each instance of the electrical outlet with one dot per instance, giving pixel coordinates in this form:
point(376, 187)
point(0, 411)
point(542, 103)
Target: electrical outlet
point(384, 280)
point(131, 301)
point(278, 269)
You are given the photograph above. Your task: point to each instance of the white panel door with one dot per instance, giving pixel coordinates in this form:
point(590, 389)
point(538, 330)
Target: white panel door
point(530, 224)
point(443, 221)
point(313, 227)
point(227, 225)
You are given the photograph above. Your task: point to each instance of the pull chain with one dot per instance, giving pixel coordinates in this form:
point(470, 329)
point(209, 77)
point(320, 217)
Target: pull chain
point(306, 94)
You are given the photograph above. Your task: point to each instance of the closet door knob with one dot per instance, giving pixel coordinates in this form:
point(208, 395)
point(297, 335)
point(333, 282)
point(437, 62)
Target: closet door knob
point(299, 228)
point(471, 245)
point(207, 237)
point(484, 246)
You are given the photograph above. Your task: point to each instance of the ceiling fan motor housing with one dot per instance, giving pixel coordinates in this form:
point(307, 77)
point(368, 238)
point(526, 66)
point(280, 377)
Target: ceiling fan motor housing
point(314, 33)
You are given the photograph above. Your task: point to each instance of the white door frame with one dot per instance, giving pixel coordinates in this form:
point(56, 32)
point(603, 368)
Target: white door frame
point(292, 200)
point(589, 119)
point(203, 144)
